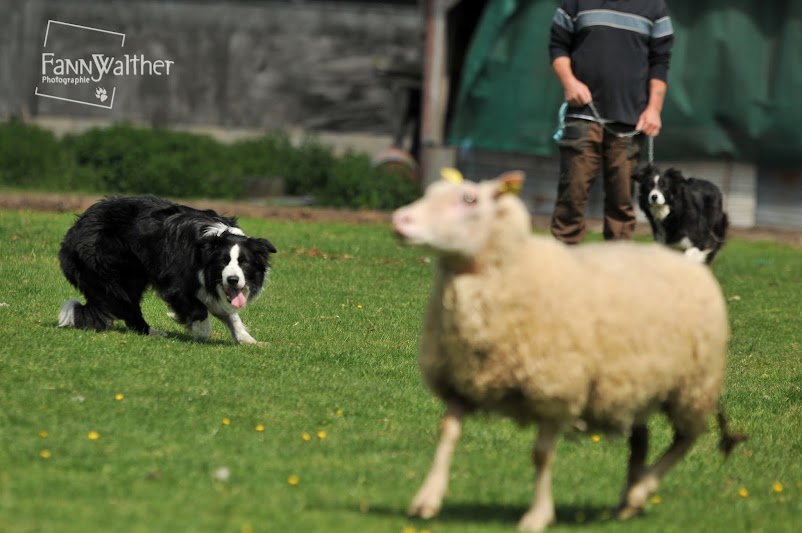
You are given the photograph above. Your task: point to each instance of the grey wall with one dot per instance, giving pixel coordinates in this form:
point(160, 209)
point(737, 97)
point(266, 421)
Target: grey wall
point(268, 64)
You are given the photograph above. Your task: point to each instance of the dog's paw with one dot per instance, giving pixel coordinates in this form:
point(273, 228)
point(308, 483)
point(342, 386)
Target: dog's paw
point(246, 339)
point(200, 329)
point(156, 333)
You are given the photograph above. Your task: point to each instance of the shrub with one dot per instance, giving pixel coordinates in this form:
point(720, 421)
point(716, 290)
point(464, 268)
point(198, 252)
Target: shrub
point(161, 162)
point(30, 157)
point(355, 183)
point(122, 159)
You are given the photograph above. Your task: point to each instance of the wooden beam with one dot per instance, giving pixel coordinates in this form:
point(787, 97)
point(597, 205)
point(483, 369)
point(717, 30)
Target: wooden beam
point(435, 88)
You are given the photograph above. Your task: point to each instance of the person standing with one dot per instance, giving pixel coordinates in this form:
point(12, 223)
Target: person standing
point(611, 58)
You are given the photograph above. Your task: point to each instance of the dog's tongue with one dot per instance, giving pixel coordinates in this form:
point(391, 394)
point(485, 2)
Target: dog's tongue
point(239, 300)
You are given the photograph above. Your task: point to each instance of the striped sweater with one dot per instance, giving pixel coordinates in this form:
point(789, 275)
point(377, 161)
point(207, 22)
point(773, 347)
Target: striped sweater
point(616, 47)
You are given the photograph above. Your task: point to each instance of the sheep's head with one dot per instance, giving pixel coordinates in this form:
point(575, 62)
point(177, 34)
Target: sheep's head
point(459, 218)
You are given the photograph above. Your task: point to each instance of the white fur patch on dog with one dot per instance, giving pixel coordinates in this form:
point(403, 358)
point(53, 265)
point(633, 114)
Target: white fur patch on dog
point(219, 228)
point(697, 255)
point(238, 330)
point(66, 316)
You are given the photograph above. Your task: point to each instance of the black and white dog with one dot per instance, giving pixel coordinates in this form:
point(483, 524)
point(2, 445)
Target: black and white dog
point(197, 261)
point(685, 213)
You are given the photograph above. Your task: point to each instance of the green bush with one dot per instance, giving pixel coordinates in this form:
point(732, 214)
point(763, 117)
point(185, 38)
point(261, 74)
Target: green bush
point(355, 183)
point(30, 157)
point(161, 162)
point(123, 159)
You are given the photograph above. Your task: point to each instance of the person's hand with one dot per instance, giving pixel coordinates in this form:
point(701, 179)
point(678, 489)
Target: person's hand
point(649, 122)
point(577, 93)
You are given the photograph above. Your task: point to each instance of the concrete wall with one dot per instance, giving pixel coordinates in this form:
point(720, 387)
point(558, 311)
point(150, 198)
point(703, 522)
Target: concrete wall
point(268, 64)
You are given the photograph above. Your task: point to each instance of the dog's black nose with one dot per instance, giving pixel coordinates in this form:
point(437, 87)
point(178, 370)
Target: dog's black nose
point(232, 280)
point(653, 197)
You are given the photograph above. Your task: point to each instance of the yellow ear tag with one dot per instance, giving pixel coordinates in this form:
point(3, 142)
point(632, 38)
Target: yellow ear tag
point(512, 183)
point(451, 175)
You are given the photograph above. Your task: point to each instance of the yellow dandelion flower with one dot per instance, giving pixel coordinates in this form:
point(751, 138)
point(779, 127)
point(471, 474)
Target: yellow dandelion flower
point(226, 421)
point(322, 434)
point(260, 427)
point(119, 396)
point(777, 487)
point(425, 531)
point(293, 480)
point(359, 306)
point(43, 434)
point(656, 499)
point(246, 528)
point(338, 412)
point(306, 436)
point(93, 435)
point(408, 529)
point(743, 492)
point(595, 438)
point(44, 454)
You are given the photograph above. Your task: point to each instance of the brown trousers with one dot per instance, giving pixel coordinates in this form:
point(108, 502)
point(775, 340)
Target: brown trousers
point(586, 150)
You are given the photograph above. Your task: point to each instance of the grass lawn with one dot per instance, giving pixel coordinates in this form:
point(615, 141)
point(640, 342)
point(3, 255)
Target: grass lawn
point(326, 427)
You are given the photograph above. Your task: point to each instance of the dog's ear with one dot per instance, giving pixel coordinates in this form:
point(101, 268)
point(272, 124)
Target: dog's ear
point(642, 172)
point(674, 174)
point(262, 247)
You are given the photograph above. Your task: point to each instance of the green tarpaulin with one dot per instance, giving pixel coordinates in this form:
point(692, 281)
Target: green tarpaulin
point(735, 84)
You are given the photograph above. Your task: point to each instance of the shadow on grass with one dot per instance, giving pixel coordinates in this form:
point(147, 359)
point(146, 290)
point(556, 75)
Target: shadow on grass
point(167, 335)
point(504, 514)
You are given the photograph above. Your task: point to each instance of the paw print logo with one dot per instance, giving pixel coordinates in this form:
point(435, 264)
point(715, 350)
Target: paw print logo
point(101, 95)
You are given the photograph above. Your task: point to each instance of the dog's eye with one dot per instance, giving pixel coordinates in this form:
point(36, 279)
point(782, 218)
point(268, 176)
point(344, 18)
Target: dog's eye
point(469, 198)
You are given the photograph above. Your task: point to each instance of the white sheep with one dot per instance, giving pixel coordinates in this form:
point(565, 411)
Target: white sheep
point(600, 335)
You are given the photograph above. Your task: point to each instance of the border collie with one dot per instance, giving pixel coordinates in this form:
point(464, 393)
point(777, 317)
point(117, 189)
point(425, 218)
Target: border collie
point(685, 213)
point(197, 261)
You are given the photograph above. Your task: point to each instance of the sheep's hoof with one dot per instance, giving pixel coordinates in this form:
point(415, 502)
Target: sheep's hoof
point(635, 497)
point(536, 521)
point(626, 511)
point(426, 503)
point(423, 510)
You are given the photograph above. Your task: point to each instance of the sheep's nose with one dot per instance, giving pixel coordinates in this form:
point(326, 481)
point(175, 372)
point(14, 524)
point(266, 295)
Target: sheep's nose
point(400, 217)
point(232, 280)
point(400, 220)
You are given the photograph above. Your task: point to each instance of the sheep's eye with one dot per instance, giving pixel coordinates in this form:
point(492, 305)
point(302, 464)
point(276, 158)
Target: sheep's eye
point(469, 198)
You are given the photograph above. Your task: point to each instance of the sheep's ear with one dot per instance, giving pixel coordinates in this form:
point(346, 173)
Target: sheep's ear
point(510, 182)
point(451, 175)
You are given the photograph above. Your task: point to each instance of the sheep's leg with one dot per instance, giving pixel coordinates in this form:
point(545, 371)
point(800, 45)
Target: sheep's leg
point(638, 450)
point(646, 484)
point(541, 513)
point(429, 498)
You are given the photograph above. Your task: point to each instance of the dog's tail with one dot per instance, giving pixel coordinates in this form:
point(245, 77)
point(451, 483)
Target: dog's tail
point(75, 315)
point(728, 440)
point(719, 234)
point(721, 227)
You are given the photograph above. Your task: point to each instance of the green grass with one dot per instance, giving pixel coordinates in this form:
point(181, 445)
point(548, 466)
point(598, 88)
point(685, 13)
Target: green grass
point(340, 320)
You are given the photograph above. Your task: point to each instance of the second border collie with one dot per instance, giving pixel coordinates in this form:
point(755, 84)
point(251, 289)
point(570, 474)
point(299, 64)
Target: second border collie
point(199, 262)
point(685, 213)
